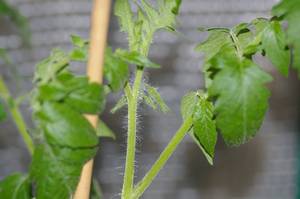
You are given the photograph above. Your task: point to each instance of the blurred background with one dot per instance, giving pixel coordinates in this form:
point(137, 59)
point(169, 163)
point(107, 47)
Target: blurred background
point(264, 168)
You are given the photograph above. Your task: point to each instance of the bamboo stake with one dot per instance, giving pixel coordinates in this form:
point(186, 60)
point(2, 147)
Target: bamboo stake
point(99, 30)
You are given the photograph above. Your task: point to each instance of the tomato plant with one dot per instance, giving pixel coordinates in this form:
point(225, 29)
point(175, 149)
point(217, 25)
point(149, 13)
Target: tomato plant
point(233, 102)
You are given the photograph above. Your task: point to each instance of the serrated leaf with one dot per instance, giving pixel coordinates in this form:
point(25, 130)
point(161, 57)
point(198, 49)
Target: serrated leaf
point(56, 170)
point(289, 10)
point(215, 41)
point(15, 186)
point(155, 100)
point(188, 104)
point(65, 127)
point(142, 25)
point(204, 127)
point(135, 58)
point(49, 67)
point(274, 44)
point(120, 104)
point(124, 13)
point(103, 130)
point(242, 100)
point(115, 70)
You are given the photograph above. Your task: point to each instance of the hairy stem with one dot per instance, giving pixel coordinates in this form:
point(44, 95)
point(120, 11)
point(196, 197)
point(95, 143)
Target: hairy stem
point(132, 99)
point(163, 158)
point(16, 115)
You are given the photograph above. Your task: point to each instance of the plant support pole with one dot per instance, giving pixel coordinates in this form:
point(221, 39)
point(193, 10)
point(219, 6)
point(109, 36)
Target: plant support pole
point(99, 30)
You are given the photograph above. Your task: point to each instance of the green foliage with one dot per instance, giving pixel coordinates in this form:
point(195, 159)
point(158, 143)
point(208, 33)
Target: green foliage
point(120, 104)
point(154, 100)
point(141, 26)
point(115, 70)
point(104, 131)
point(203, 132)
point(19, 20)
point(274, 44)
point(289, 10)
point(135, 58)
point(233, 79)
point(15, 186)
point(67, 140)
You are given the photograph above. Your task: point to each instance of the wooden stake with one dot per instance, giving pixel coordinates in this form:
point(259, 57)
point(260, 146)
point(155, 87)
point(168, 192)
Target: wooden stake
point(99, 30)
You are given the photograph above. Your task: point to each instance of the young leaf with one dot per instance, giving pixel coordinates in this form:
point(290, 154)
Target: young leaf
point(49, 67)
point(216, 40)
point(142, 26)
point(120, 104)
point(188, 104)
point(104, 131)
point(274, 44)
point(290, 10)
point(155, 99)
point(135, 58)
point(66, 139)
point(204, 127)
point(124, 13)
point(78, 41)
point(242, 100)
point(115, 70)
point(15, 186)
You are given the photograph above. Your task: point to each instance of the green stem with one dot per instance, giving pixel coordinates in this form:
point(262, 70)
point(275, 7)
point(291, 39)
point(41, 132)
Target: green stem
point(163, 158)
point(16, 115)
point(132, 99)
point(237, 44)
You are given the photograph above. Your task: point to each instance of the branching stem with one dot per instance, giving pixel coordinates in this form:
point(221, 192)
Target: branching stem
point(132, 99)
point(163, 158)
point(16, 115)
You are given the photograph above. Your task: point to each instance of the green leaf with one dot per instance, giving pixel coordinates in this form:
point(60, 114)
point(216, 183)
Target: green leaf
point(56, 170)
point(15, 186)
point(115, 70)
point(2, 112)
point(204, 133)
point(124, 13)
point(274, 44)
point(120, 104)
point(78, 54)
point(104, 131)
point(204, 127)
point(215, 41)
point(242, 100)
point(142, 25)
point(135, 58)
point(188, 104)
point(78, 41)
point(51, 66)
point(289, 10)
point(64, 126)
point(154, 100)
